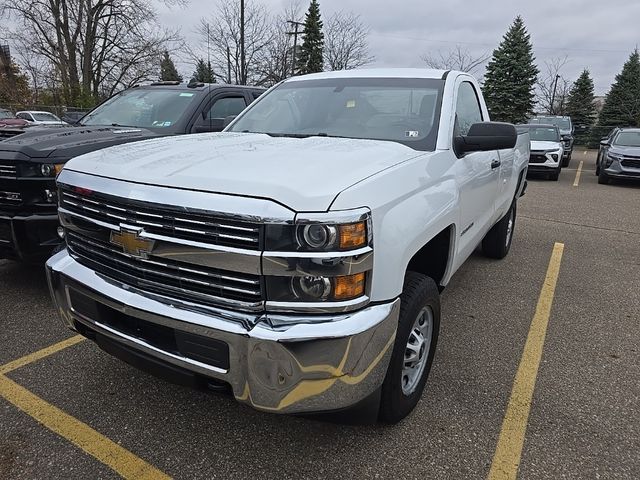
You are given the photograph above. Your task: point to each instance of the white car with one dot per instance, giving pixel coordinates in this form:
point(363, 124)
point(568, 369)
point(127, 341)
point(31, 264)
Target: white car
point(547, 149)
point(297, 257)
point(40, 118)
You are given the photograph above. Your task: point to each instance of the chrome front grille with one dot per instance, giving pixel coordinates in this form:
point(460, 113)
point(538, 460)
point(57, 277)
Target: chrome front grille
point(10, 198)
point(10, 171)
point(166, 277)
point(163, 220)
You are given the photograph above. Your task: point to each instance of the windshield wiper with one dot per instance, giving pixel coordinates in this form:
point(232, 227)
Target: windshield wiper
point(303, 135)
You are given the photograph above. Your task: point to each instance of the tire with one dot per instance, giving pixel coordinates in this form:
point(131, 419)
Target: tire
point(420, 300)
point(555, 175)
point(497, 241)
point(565, 161)
point(603, 178)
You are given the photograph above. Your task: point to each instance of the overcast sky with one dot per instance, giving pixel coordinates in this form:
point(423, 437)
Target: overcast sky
point(595, 34)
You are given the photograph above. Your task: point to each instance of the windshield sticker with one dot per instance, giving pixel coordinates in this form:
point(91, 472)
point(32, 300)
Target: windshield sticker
point(166, 124)
point(412, 134)
point(351, 103)
point(186, 94)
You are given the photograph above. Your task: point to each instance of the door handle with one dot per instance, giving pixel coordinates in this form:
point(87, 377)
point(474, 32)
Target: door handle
point(495, 164)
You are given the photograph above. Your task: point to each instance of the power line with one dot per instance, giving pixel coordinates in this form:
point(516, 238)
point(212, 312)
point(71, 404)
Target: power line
point(494, 45)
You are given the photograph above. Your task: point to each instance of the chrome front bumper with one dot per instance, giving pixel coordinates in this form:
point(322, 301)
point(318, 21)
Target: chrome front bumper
point(277, 363)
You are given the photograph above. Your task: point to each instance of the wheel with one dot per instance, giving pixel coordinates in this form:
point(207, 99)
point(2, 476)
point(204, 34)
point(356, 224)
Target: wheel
point(565, 161)
point(603, 178)
point(414, 348)
point(497, 241)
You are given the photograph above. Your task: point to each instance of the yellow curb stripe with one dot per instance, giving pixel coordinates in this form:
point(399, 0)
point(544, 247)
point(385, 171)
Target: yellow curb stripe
point(506, 459)
point(80, 434)
point(40, 354)
point(576, 182)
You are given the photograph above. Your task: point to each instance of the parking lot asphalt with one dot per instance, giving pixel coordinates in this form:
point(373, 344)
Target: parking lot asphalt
point(583, 422)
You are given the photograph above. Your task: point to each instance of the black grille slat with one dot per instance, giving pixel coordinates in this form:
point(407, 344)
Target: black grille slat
point(163, 220)
point(631, 162)
point(10, 171)
point(537, 158)
point(182, 281)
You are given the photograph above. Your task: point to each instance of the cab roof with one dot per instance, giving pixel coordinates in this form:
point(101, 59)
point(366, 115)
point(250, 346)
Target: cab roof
point(375, 73)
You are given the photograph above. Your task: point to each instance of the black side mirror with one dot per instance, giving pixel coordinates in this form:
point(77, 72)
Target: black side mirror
point(486, 136)
point(228, 120)
point(211, 125)
point(604, 142)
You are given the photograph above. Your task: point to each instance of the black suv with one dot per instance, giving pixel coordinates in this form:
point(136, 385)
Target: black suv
point(29, 161)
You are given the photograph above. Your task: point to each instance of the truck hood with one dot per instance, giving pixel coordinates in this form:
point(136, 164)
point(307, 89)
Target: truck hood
point(628, 151)
point(538, 145)
point(304, 174)
point(65, 142)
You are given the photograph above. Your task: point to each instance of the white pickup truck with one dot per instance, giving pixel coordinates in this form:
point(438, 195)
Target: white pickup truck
point(297, 258)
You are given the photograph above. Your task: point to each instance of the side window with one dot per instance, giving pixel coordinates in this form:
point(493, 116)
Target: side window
point(226, 106)
point(467, 109)
point(23, 116)
point(255, 95)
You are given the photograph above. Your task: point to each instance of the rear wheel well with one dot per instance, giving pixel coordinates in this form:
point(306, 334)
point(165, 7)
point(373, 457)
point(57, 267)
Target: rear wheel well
point(433, 258)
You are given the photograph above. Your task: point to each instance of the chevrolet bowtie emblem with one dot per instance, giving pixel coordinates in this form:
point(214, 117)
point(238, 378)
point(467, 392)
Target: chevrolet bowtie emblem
point(132, 243)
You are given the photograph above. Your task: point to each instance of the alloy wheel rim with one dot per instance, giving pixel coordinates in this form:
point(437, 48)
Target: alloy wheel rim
point(509, 229)
point(416, 351)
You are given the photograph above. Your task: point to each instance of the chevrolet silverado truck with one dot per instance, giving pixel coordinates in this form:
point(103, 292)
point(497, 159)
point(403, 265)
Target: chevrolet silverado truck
point(31, 158)
point(296, 258)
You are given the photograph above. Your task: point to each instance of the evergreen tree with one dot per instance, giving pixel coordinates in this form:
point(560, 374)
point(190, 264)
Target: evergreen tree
point(310, 57)
point(168, 71)
point(203, 73)
point(622, 103)
point(511, 76)
point(580, 106)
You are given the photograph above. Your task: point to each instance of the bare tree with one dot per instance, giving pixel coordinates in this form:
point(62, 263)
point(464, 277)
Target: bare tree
point(457, 58)
point(223, 29)
point(345, 42)
point(552, 89)
point(94, 46)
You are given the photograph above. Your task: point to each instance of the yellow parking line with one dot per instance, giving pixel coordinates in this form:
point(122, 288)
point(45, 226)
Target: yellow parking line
point(45, 352)
point(577, 180)
point(119, 459)
point(80, 434)
point(506, 459)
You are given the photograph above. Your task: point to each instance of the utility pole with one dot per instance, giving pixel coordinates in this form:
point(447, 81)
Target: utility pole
point(295, 34)
point(553, 96)
point(243, 73)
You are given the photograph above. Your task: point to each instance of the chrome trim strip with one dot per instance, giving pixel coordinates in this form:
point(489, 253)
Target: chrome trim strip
point(232, 207)
point(333, 264)
point(316, 307)
point(334, 216)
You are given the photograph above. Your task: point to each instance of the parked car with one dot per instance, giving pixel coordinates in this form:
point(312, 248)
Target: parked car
point(73, 117)
point(296, 257)
point(619, 155)
point(40, 118)
point(30, 161)
point(546, 149)
point(566, 128)
point(8, 119)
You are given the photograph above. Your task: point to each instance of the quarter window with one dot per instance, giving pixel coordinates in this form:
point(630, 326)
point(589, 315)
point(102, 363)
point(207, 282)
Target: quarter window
point(467, 109)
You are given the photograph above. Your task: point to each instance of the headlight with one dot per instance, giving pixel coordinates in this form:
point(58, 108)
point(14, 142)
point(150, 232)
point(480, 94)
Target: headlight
point(313, 288)
point(321, 232)
point(50, 169)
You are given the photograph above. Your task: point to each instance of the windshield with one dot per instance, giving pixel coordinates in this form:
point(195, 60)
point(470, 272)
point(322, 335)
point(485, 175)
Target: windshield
point(401, 110)
point(45, 117)
point(562, 123)
point(142, 108)
point(544, 134)
point(627, 139)
point(5, 114)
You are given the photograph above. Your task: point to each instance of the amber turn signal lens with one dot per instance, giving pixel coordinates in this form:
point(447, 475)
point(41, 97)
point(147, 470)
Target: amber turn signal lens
point(58, 167)
point(353, 235)
point(349, 287)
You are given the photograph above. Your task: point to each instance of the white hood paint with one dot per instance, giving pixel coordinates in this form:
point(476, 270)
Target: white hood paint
point(303, 174)
point(538, 145)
